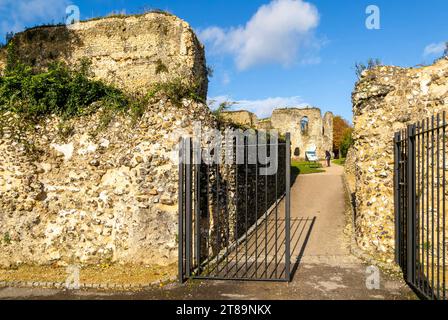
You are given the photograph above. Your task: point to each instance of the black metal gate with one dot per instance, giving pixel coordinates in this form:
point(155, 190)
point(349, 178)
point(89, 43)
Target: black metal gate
point(420, 200)
point(234, 223)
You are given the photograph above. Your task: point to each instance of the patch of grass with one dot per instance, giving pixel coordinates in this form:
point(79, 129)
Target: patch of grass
point(102, 274)
point(340, 162)
point(304, 167)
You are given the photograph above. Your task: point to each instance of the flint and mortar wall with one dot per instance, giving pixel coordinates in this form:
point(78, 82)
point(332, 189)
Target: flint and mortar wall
point(385, 100)
point(92, 196)
point(131, 52)
point(110, 197)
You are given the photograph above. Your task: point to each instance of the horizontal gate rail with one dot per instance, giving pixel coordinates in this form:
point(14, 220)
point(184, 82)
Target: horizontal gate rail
point(420, 205)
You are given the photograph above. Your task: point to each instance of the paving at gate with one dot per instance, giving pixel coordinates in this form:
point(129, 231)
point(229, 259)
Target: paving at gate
point(322, 265)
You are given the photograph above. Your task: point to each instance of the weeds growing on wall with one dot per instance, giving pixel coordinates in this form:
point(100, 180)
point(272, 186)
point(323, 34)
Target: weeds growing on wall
point(361, 67)
point(32, 95)
point(175, 90)
point(57, 91)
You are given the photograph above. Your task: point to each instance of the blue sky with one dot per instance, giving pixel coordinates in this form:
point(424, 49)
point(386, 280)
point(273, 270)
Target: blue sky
point(279, 53)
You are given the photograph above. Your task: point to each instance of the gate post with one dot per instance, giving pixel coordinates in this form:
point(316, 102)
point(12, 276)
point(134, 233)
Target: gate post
point(411, 212)
point(188, 208)
point(287, 208)
point(397, 179)
point(180, 200)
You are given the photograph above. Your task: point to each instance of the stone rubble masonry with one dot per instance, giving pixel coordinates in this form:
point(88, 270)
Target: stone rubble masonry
point(88, 199)
point(385, 100)
point(93, 195)
point(319, 134)
point(131, 52)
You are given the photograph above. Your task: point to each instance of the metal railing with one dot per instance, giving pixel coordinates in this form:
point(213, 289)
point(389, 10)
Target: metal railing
point(420, 205)
point(234, 224)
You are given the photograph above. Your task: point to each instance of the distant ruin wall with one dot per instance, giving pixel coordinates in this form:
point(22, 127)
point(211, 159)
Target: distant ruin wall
point(131, 52)
point(241, 117)
point(318, 133)
point(385, 100)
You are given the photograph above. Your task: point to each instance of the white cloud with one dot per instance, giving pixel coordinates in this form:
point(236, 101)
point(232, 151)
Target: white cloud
point(262, 107)
point(279, 32)
point(435, 49)
point(15, 15)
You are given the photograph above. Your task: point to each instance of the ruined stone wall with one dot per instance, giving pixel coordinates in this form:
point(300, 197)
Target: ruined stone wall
point(385, 100)
point(327, 141)
point(94, 197)
point(319, 132)
point(131, 52)
point(101, 189)
point(242, 117)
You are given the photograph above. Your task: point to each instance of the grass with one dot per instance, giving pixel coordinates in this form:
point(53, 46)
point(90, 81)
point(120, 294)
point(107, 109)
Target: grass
point(339, 162)
point(304, 167)
point(102, 274)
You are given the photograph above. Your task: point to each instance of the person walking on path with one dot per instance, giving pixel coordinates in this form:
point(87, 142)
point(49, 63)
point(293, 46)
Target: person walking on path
point(328, 157)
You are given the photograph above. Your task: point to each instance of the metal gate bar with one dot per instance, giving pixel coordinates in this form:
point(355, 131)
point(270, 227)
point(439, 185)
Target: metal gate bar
point(233, 221)
point(420, 203)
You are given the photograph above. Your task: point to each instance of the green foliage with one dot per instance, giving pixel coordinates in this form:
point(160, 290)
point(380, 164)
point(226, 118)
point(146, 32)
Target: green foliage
point(175, 90)
point(347, 142)
point(361, 67)
point(223, 106)
point(7, 238)
point(65, 130)
point(160, 67)
point(58, 91)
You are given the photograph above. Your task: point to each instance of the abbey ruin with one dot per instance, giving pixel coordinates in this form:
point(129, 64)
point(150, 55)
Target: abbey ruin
point(131, 52)
point(309, 130)
point(110, 195)
point(385, 100)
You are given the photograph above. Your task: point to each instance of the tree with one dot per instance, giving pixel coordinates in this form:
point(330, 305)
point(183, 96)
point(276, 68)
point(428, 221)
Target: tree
point(347, 142)
point(340, 126)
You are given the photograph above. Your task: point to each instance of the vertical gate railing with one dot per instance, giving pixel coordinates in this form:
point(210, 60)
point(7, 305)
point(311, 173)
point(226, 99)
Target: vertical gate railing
point(420, 202)
point(234, 223)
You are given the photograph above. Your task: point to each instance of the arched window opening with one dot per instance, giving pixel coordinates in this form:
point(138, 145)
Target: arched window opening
point(304, 125)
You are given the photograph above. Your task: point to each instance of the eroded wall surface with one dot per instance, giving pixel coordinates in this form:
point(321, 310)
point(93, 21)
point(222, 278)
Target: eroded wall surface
point(94, 197)
point(317, 135)
point(386, 100)
point(80, 191)
point(131, 52)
